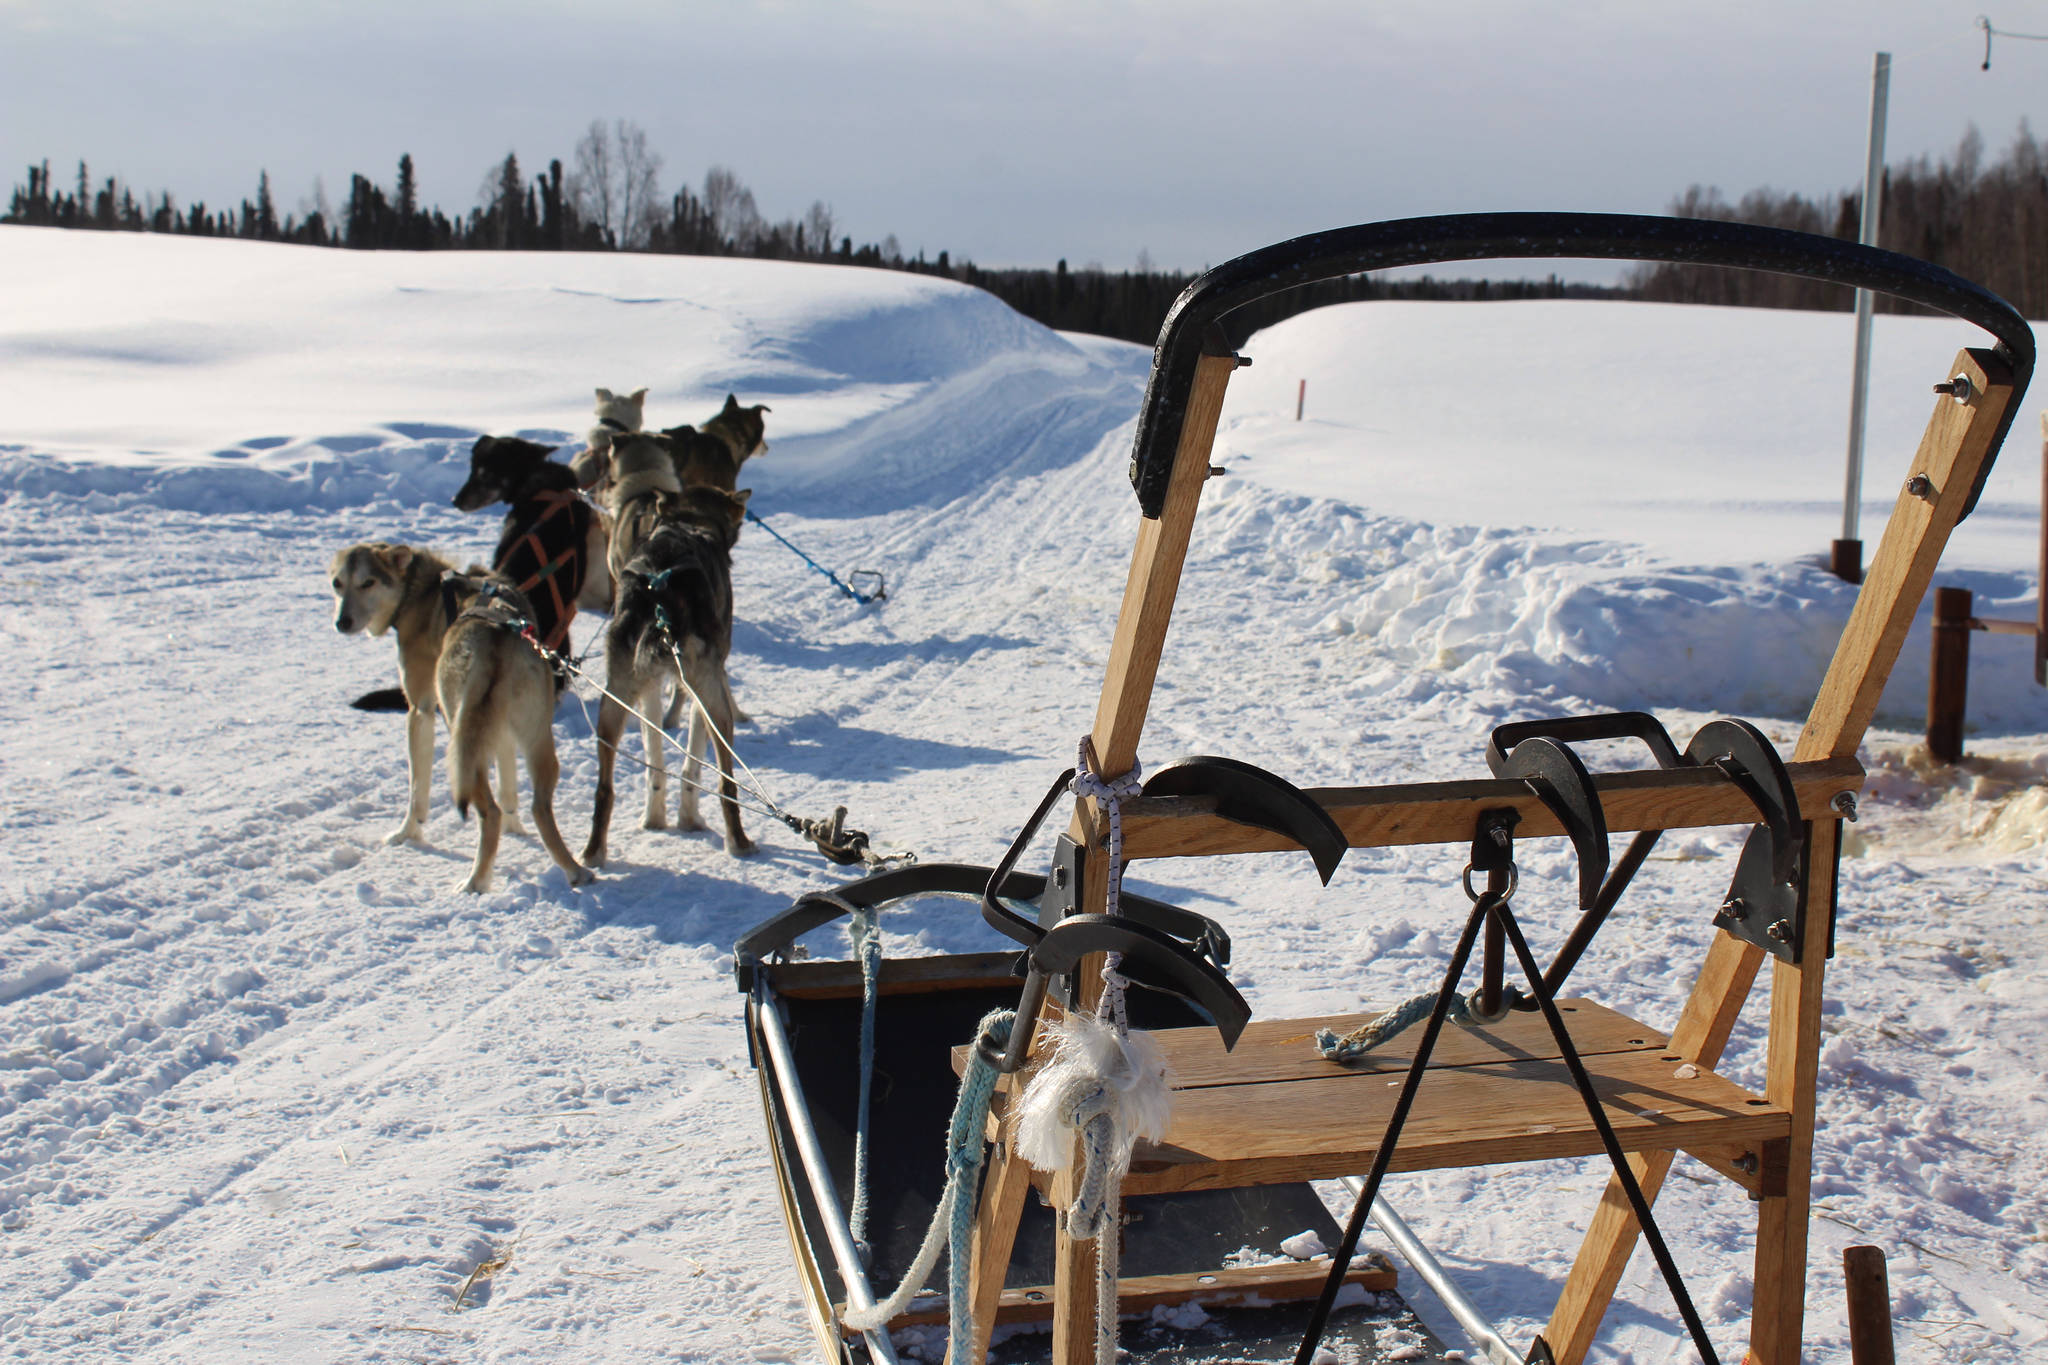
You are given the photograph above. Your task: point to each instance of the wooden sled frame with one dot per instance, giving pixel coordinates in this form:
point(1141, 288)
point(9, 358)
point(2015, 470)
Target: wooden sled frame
point(1192, 367)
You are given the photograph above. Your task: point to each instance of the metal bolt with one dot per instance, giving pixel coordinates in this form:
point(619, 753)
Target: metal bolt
point(1746, 1162)
point(1059, 876)
point(1844, 805)
point(1920, 486)
point(1217, 471)
point(1957, 388)
point(1735, 908)
point(1781, 930)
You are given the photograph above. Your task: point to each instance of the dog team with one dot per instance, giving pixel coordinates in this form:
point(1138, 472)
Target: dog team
point(638, 524)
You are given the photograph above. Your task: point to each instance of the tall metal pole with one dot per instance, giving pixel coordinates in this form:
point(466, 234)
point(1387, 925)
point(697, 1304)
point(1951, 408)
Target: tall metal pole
point(1848, 551)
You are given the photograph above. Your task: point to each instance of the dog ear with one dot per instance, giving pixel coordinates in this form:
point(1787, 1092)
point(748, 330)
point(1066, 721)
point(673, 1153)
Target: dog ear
point(401, 557)
point(484, 445)
point(604, 395)
point(761, 408)
point(732, 402)
point(739, 499)
point(636, 396)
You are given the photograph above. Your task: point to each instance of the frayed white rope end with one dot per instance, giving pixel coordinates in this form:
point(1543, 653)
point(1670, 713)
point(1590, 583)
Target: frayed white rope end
point(1092, 1067)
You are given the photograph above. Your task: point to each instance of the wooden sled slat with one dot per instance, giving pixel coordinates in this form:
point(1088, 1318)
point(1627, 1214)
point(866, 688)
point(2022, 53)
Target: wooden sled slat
point(1284, 1049)
point(1446, 812)
point(1227, 1287)
point(1224, 1137)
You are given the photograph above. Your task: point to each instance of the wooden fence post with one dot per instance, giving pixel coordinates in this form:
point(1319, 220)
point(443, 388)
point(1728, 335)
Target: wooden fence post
point(1948, 681)
point(1870, 1306)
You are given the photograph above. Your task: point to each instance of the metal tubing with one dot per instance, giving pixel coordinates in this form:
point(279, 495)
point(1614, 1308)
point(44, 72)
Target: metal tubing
point(1873, 208)
point(1484, 1334)
point(837, 1233)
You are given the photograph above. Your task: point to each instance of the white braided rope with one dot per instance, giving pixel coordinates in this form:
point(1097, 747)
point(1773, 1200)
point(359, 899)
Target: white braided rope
point(1111, 793)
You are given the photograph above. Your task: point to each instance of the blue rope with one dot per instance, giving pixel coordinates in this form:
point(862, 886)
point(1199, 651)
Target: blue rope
point(964, 1142)
point(965, 1136)
point(861, 598)
point(867, 943)
point(1369, 1035)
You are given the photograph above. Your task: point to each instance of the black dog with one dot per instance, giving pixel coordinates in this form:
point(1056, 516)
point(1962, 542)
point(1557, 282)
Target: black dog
point(673, 619)
point(545, 549)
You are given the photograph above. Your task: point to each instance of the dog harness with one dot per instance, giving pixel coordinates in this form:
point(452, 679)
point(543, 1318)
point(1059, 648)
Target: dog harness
point(531, 566)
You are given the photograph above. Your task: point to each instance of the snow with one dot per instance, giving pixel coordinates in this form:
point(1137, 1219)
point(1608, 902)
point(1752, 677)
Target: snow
point(269, 1091)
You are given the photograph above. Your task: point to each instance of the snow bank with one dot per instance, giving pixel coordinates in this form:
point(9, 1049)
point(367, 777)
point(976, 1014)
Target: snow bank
point(225, 376)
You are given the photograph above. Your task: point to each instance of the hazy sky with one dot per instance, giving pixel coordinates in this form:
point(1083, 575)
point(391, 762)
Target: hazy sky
point(1018, 133)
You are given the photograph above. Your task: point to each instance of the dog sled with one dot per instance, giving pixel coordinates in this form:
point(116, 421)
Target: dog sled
point(907, 1099)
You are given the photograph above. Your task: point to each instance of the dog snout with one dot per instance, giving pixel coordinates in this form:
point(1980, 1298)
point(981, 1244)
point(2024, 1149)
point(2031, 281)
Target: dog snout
point(344, 623)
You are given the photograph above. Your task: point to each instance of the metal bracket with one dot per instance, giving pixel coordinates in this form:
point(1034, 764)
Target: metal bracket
point(1762, 910)
point(1766, 901)
point(1063, 882)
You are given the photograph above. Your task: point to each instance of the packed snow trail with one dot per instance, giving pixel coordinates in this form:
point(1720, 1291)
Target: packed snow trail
point(270, 1091)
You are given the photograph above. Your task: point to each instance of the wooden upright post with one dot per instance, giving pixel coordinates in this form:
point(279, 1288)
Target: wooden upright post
point(1951, 454)
point(1134, 655)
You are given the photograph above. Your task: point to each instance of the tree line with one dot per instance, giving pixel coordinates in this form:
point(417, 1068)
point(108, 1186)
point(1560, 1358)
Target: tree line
point(1985, 220)
point(609, 198)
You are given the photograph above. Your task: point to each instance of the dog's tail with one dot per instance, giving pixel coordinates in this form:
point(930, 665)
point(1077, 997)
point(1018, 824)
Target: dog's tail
point(383, 699)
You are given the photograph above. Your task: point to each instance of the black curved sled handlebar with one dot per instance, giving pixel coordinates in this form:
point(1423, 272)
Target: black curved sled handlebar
point(1188, 331)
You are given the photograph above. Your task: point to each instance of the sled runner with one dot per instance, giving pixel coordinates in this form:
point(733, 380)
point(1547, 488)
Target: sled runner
point(900, 1094)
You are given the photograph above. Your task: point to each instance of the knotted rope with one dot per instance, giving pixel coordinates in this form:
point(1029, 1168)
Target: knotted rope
point(1100, 1084)
point(1111, 793)
point(952, 1223)
point(1369, 1035)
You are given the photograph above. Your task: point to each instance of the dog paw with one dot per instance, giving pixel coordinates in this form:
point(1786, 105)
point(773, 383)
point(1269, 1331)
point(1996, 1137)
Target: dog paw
point(594, 855)
point(473, 885)
point(513, 827)
point(655, 819)
point(582, 876)
point(741, 848)
point(407, 833)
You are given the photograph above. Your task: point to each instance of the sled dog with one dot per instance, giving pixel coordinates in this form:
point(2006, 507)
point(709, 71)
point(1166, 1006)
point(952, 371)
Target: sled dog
point(616, 416)
point(498, 694)
point(380, 587)
point(642, 470)
point(673, 620)
point(553, 545)
point(714, 452)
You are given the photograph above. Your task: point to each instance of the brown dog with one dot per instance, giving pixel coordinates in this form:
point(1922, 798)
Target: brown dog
point(713, 453)
point(498, 694)
point(379, 587)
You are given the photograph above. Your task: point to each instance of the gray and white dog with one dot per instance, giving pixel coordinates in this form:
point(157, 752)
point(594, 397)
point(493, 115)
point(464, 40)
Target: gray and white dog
point(672, 620)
